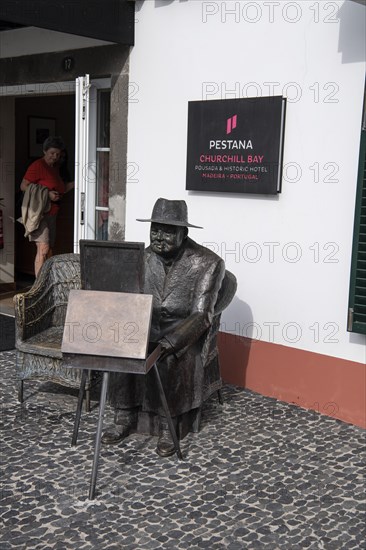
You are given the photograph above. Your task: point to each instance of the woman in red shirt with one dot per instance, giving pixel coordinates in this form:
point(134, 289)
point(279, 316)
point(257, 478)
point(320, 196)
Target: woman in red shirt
point(45, 172)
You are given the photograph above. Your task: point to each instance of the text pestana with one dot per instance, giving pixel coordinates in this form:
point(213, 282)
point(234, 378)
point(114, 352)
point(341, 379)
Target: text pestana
point(230, 144)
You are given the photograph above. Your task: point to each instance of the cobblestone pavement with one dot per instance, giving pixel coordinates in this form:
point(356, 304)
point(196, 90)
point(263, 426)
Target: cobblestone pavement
point(260, 474)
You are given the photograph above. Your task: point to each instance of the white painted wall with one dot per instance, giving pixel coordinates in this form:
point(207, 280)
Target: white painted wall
point(315, 53)
point(33, 40)
point(7, 187)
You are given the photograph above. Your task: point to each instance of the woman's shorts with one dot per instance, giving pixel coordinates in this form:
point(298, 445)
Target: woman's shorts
point(46, 231)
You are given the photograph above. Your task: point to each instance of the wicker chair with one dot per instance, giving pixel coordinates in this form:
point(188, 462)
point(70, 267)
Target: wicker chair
point(39, 322)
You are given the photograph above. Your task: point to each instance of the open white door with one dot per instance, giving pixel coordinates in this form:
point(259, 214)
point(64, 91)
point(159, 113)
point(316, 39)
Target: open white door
point(82, 92)
point(91, 157)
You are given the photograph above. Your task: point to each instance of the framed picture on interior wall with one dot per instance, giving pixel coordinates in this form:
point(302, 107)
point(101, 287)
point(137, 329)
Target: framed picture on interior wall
point(39, 129)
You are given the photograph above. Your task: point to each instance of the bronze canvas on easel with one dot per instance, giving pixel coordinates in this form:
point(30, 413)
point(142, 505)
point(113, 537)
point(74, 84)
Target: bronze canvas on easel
point(109, 266)
point(112, 266)
point(102, 327)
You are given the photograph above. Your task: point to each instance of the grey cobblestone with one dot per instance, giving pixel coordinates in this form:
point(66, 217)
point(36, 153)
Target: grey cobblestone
point(260, 474)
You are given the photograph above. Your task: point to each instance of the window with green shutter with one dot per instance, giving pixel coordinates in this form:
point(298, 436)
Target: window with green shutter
point(357, 294)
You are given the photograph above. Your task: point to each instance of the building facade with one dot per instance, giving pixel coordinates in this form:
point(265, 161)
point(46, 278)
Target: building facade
point(285, 334)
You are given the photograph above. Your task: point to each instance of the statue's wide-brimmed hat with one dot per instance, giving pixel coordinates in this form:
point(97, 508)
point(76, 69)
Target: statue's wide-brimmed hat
point(170, 213)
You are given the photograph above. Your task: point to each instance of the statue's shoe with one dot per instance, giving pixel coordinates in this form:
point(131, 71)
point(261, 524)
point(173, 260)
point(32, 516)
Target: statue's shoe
point(165, 446)
point(125, 423)
point(113, 435)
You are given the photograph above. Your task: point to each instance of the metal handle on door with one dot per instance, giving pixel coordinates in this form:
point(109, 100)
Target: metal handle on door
point(82, 208)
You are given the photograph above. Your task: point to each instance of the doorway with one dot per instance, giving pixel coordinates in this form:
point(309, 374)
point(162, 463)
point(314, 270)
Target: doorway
point(46, 78)
point(51, 111)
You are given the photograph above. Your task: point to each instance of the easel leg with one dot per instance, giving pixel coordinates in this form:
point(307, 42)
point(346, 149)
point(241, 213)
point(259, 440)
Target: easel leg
point(173, 433)
point(78, 410)
point(220, 398)
point(21, 391)
point(87, 392)
point(98, 435)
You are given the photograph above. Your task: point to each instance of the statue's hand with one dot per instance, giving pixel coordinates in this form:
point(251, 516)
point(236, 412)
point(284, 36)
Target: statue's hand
point(166, 348)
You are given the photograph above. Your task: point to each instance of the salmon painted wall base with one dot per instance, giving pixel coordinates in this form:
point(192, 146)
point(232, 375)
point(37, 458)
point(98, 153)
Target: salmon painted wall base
point(331, 386)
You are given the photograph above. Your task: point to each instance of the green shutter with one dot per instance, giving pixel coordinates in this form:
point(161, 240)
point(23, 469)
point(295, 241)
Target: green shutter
point(357, 294)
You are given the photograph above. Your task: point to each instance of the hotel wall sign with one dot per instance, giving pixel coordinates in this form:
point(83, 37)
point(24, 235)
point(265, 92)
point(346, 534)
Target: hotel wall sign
point(236, 145)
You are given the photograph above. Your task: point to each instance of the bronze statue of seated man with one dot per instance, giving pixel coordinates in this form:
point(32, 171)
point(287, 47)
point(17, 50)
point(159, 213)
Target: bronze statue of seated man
point(184, 279)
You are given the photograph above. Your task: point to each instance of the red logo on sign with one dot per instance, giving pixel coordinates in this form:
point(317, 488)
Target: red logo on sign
point(231, 124)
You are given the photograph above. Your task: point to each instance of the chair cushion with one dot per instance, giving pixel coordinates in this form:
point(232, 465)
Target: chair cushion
point(48, 343)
